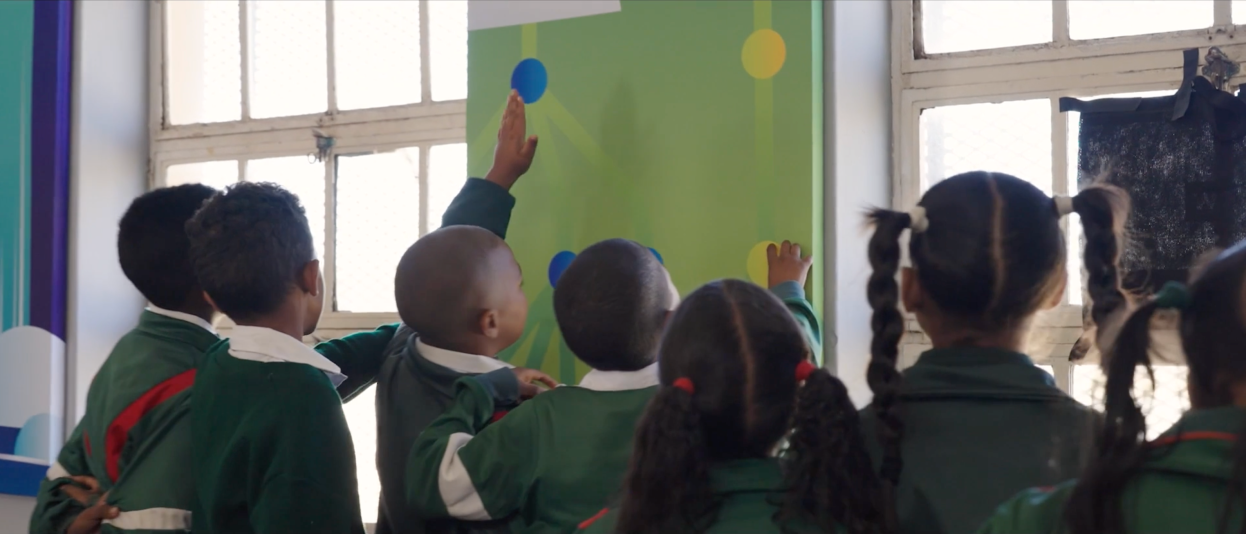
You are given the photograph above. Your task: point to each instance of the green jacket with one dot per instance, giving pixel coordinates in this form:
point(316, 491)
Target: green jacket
point(1182, 488)
point(749, 491)
point(979, 426)
point(555, 460)
point(134, 437)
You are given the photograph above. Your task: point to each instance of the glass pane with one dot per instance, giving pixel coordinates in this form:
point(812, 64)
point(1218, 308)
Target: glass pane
point(361, 418)
point(377, 218)
point(204, 61)
point(304, 179)
point(377, 53)
point(1074, 254)
point(1097, 19)
point(447, 171)
point(1012, 137)
point(1162, 407)
point(960, 25)
point(447, 38)
point(1239, 11)
point(288, 68)
point(217, 174)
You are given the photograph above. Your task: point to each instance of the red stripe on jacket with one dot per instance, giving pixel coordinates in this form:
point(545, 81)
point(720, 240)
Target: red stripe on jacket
point(119, 429)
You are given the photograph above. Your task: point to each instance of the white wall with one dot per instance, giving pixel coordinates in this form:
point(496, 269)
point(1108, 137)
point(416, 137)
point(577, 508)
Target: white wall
point(108, 169)
point(857, 49)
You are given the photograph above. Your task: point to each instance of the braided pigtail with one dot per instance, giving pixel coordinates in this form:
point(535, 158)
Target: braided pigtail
point(1103, 210)
point(667, 486)
point(888, 325)
point(830, 479)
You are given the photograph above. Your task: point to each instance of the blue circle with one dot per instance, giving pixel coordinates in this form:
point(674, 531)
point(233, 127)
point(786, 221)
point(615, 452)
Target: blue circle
point(559, 264)
point(658, 256)
point(529, 79)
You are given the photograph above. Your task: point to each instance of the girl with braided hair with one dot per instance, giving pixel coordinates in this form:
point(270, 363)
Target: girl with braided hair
point(736, 379)
point(974, 420)
point(1192, 479)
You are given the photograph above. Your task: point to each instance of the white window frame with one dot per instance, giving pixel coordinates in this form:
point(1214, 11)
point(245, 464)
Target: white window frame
point(1062, 67)
point(424, 124)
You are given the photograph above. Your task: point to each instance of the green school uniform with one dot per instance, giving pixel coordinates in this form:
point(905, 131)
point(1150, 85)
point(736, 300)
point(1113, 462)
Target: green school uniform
point(271, 450)
point(979, 426)
point(750, 492)
point(555, 460)
point(134, 437)
point(1181, 488)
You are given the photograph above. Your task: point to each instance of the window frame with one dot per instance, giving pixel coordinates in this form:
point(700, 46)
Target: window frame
point(424, 124)
point(1062, 67)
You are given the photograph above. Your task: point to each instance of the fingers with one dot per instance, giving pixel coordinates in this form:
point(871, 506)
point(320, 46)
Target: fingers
point(529, 148)
point(77, 494)
point(550, 382)
point(87, 481)
point(89, 520)
point(772, 252)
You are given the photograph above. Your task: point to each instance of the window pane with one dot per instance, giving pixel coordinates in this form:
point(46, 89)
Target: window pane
point(217, 174)
point(447, 171)
point(448, 49)
point(377, 52)
point(377, 218)
point(960, 25)
point(288, 71)
point(1012, 137)
point(1097, 19)
point(1239, 11)
point(1162, 408)
point(304, 179)
point(204, 61)
point(361, 418)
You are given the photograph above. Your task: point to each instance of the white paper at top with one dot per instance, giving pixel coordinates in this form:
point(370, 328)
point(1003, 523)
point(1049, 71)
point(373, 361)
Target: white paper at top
point(483, 14)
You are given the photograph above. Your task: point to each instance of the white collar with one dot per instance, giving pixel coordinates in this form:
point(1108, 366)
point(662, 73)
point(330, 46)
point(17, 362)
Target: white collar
point(197, 321)
point(460, 362)
point(621, 380)
point(266, 345)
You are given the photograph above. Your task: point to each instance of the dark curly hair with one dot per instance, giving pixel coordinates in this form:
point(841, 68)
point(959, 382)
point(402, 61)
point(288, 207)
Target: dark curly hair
point(740, 348)
point(248, 246)
point(992, 253)
point(154, 249)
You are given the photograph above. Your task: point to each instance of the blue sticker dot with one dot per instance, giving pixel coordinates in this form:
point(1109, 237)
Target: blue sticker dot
point(529, 79)
point(559, 264)
point(658, 256)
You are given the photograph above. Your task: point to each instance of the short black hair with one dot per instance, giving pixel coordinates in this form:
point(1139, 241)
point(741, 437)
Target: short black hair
point(611, 304)
point(248, 245)
point(153, 247)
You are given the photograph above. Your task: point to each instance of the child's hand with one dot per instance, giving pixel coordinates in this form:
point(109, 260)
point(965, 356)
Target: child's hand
point(89, 520)
point(786, 265)
point(513, 155)
point(76, 492)
point(526, 377)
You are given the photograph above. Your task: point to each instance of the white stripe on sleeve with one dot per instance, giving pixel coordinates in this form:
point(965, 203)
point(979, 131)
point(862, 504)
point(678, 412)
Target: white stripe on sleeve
point(57, 471)
point(455, 485)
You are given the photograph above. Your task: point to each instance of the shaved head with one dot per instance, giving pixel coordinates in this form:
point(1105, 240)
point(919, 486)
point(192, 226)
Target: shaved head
point(449, 279)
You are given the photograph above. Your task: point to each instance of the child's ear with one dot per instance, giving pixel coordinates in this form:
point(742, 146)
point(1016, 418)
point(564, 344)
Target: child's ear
point(309, 278)
point(489, 325)
point(911, 293)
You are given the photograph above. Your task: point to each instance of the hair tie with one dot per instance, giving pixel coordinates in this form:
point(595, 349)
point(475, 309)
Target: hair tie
point(804, 369)
point(917, 220)
point(1064, 205)
point(684, 384)
point(1173, 295)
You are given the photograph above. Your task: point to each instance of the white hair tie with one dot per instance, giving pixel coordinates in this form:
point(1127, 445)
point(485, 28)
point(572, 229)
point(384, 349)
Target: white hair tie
point(1064, 205)
point(917, 220)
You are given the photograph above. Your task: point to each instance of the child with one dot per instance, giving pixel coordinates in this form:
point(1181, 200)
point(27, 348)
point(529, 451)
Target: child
point(460, 289)
point(557, 459)
point(703, 461)
point(271, 449)
point(134, 436)
point(974, 421)
point(1191, 478)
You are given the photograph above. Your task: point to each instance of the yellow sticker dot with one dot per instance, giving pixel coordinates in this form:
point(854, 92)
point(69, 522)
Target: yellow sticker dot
point(758, 267)
point(763, 54)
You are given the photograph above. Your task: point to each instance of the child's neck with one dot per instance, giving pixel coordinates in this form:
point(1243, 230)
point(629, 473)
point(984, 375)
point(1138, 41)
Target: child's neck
point(1012, 339)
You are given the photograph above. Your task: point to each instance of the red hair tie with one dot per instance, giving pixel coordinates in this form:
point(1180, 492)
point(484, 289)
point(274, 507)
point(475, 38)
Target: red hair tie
point(804, 369)
point(684, 384)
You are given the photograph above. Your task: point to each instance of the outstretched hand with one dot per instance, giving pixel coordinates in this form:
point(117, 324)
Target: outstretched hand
point(513, 155)
point(527, 377)
point(786, 265)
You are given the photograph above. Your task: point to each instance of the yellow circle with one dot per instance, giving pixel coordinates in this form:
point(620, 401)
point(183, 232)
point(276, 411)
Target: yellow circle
point(758, 267)
point(764, 53)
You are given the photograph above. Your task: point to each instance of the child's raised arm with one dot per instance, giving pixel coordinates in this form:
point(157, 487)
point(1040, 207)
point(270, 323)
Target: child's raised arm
point(787, 274)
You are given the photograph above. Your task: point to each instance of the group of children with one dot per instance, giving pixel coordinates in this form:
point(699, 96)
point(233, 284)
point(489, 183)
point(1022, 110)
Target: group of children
point(702, 416)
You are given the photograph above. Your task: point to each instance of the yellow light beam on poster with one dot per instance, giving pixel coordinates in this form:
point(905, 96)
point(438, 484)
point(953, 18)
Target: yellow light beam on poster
point(483, 147)
point(762, 57)
point(528, 40)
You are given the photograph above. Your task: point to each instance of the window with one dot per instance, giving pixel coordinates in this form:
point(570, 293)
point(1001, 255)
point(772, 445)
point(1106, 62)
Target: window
point(978, 87)
point(246, 89)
